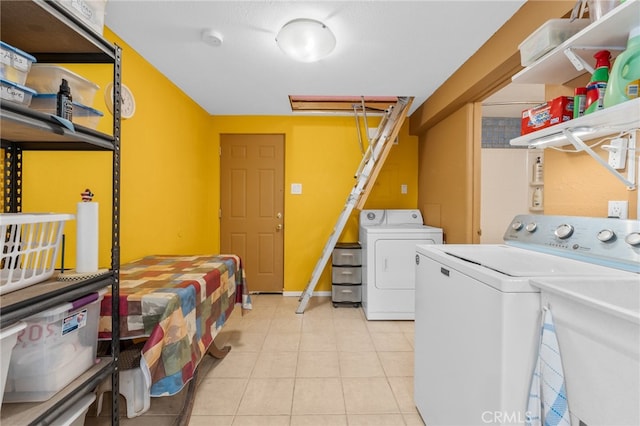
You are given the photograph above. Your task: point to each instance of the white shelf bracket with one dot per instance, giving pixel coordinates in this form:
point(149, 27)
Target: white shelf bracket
point(579, 63)
point(581, 146)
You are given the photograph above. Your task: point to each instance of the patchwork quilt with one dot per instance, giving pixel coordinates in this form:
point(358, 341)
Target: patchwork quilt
point(179, 303)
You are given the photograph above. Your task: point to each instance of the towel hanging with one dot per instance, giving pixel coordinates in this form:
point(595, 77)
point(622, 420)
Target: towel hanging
point(548, 404)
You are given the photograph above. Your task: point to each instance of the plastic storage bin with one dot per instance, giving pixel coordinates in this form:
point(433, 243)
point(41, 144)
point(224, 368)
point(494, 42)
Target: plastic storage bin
point(31, 244)
point(82, 114)
point(91, 12)
point(15, 92)
point(551, 34)
point(45, 78)
point(76, 414)
point(57, 346)
point(14, 63)
point(8, 338)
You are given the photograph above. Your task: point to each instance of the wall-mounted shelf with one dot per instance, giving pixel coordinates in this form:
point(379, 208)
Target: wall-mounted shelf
point(610, 120)
point(621, 117)
point(609, 32)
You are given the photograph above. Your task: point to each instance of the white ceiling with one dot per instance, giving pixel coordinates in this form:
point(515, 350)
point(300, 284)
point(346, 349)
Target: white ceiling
point(384, 48)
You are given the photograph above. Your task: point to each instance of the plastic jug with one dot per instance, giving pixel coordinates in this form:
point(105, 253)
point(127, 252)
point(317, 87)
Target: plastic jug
point(625, 74)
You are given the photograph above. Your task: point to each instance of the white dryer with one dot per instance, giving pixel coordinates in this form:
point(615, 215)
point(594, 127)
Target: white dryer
point(389, 239)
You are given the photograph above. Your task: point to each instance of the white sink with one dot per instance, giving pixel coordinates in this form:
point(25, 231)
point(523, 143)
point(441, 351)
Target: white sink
point(619, 297)
point(598, 327)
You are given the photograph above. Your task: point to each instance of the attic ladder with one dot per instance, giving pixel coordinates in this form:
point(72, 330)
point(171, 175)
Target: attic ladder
point(372, 162)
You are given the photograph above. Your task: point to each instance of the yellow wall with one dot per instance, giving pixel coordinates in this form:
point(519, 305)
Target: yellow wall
point(170, 174)
point(168, 179)
point(322, 153)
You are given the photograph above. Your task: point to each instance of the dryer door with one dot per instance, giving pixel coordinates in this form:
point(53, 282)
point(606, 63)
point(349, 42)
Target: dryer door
point(395, 263)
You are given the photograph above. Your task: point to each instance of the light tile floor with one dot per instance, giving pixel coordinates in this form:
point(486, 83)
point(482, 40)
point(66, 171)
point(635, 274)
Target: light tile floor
point(328, 366)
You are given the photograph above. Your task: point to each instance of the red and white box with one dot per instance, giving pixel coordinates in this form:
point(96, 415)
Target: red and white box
point(547, 114)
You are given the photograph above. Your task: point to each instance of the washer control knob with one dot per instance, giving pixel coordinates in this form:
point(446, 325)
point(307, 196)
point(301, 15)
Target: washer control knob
point(633, 239)
point(606, 235)
point(531, 227)
point(564, 231)
point(517, 225)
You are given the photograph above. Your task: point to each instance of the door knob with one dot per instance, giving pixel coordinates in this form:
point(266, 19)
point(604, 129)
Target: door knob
point(278, 227)
point(279, 215)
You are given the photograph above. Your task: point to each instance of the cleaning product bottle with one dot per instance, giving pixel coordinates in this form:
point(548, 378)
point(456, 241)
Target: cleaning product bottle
point(64, 107)
point(625, 74)
point(598, 83)
point(579, 100)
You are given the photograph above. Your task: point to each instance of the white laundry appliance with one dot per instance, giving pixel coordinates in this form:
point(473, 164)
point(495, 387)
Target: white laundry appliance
point(478, 315)
point(388, 239)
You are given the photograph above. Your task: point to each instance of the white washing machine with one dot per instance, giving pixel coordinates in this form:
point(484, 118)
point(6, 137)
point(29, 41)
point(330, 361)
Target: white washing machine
point(478, 316)
point(388, 239)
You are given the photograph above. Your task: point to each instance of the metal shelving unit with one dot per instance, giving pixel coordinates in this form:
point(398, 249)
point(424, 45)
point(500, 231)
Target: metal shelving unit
point(52, 34)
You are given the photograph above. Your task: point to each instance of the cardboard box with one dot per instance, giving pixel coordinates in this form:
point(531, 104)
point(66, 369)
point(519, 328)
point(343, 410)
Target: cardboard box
point(547, 114)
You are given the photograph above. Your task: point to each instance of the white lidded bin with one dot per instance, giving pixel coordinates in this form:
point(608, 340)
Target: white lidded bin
point(14, 63)
point(8, 338)
point(30, 249)
point(56, 347)
point(46, 78)
point(549, 35)
point(14, 92)
point(76, 414)
point(82, 114)
point(91, 12)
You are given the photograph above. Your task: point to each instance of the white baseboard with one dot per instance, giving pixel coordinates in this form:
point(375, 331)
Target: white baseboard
point(299, 293)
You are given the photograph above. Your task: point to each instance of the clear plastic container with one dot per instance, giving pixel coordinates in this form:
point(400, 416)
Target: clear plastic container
point(45, 78)
point(14, 92)
point(8, 338)
point(599, 8)
point(56, 347)
point(14, 63)
point(82, 114)
point(91, 12)
point(551, 34)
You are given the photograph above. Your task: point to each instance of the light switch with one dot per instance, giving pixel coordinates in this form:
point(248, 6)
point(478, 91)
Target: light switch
point(403, 189)
point(296, 188)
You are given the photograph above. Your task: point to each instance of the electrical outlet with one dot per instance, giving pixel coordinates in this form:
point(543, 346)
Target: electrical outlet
point(618, 209)
point(618, 153)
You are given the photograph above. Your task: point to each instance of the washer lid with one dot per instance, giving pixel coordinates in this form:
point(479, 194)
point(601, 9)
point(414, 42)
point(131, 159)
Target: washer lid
point(517, 262)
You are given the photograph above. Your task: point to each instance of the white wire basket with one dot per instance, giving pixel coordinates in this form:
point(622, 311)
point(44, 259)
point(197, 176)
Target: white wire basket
point(30, 249)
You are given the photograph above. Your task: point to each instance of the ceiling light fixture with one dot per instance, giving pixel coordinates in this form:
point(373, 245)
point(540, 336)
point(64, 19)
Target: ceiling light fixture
point(306, 40)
